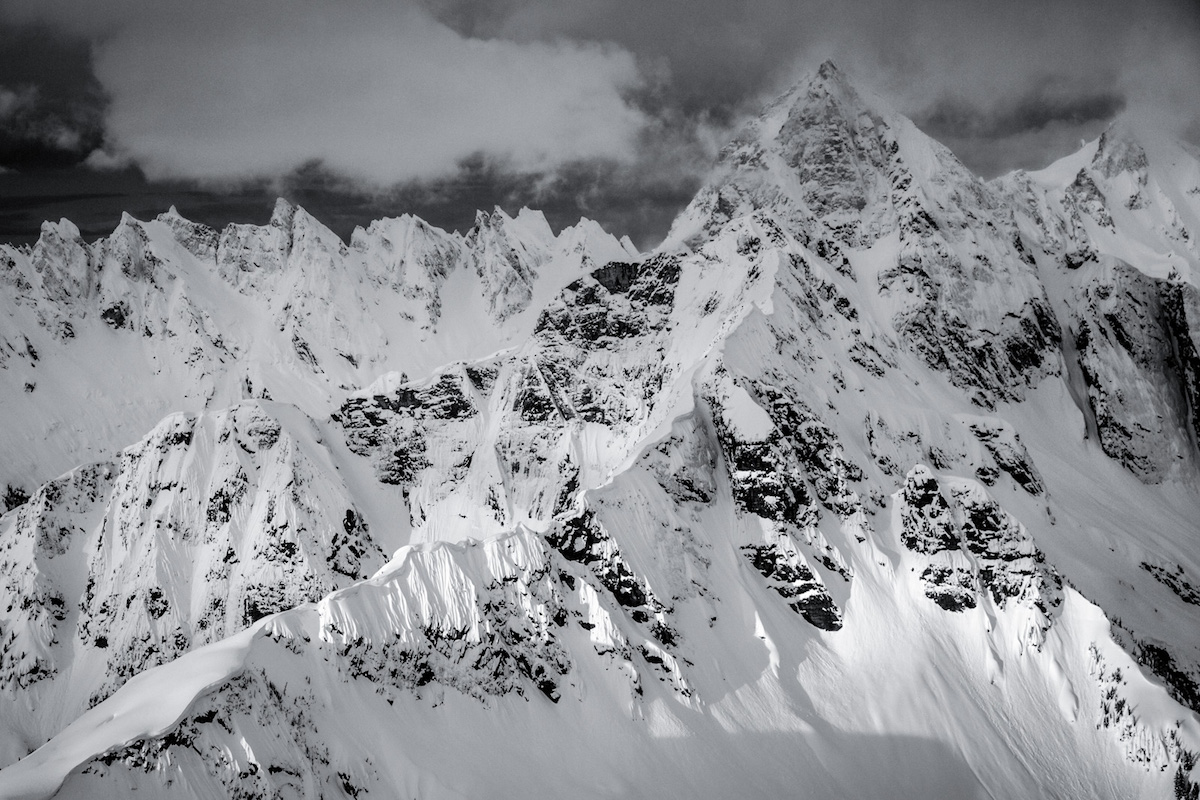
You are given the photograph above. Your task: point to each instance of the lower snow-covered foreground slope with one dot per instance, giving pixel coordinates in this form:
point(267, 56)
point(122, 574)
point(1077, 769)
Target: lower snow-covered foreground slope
point(905, 700)
point(900, 710)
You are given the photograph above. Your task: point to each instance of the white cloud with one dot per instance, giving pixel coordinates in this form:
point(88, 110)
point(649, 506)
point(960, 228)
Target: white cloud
point(378, 92)
point(102, 160)
point(16, 101)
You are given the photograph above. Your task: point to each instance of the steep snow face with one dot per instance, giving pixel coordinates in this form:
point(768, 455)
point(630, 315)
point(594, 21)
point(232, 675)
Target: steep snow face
point(1116, 229)
point(170, 315)
point(208, 524)
point(818, 504)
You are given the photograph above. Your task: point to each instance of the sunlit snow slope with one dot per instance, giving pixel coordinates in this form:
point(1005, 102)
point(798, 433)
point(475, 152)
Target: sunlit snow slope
point(875, 480)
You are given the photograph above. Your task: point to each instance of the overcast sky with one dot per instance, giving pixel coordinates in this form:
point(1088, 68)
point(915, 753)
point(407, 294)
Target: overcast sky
point(608, 108)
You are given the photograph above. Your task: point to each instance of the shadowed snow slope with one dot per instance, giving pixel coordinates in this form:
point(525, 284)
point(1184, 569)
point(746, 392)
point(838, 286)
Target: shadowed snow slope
point(876, 480)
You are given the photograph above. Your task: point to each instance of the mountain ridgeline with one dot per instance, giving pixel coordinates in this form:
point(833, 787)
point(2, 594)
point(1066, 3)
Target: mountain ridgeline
point(875, 479)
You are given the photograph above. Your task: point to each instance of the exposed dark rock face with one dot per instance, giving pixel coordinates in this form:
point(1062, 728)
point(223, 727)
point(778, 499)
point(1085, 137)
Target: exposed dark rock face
point(796, 466)
point(115, 315)
point(1136, 339)
point(927, 527)
point(994, 365)
point(617, 307)
point(35, 600)
point(974, 547)
point(926, 524)
point(583, 540)
point(13, 497)
point(785, 476)
point(1180, 682)
point(1175, 581)
point(1010, 455)
point(1083, 196)
point(766, 477)
point(786, 573)
point(397, 431)
point(1181, 307)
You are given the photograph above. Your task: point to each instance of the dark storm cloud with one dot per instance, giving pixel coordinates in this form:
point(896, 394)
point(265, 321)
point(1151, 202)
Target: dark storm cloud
point(51, 105)
point(610, 108)
point(996, 61)
point(620, 197)
point(1024, 132)
point(727, 49)
point(956, 118)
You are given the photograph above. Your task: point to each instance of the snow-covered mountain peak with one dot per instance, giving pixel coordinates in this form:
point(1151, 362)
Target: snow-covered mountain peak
point(829, 72)
point(506, 253)
point(866, 191)
point(527, 233)
point(1115, 228)
point(64, 229)
point(827, 88)
point(827, 157)
point(1119, 150)
point(196, 238)
point(587, 238)
point(1133, 194)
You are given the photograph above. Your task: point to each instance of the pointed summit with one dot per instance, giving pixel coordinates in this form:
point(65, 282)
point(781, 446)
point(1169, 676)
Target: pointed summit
point(827, 84)
point(197, 238)
point(282, 214)
point(1132, 186)
point(830, 80)
point(841, 172)
point(823, 155)
point(1120, 150)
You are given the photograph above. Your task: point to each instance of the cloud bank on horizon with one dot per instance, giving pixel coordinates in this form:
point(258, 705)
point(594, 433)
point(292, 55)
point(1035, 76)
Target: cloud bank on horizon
point(381, 93)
